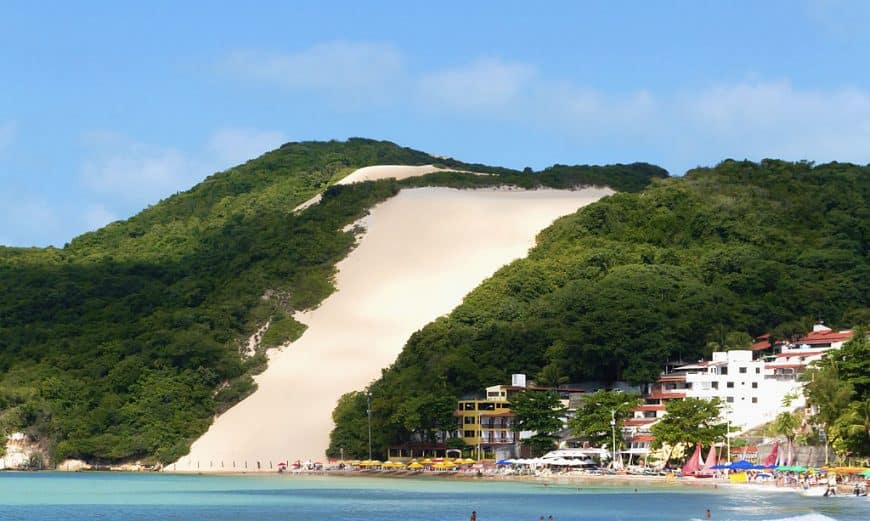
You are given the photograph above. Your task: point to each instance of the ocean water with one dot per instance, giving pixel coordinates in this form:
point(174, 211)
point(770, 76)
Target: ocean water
point(141, 497)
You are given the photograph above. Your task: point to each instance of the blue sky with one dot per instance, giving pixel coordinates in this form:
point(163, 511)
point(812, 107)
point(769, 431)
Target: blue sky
point(107, 107)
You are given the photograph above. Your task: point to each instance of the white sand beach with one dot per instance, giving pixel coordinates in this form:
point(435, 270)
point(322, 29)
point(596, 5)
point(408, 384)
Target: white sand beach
point(423, 251)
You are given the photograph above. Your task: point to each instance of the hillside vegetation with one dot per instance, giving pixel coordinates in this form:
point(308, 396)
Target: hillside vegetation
point(125, 343)
point(634, 280)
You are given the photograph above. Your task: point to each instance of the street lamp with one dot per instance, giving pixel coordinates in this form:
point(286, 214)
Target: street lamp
point(613, 432)
point(369, 412)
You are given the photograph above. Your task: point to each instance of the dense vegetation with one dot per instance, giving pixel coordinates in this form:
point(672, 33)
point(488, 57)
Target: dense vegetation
point(127, 341)
point(637, 279)
point(840, 389)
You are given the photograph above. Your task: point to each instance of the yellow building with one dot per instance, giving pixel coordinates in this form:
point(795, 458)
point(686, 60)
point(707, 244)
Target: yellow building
point(487, 423)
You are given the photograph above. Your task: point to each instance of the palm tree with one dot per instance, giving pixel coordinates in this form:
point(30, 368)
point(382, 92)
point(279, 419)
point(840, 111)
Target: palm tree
point(787, 424)
point(551, 376)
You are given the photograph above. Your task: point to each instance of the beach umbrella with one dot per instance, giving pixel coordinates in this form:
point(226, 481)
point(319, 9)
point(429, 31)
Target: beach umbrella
point(741, 465)
point(415, 466)
point(720, 467)
point(502, 462)
point(866, 473)
point(426, 461)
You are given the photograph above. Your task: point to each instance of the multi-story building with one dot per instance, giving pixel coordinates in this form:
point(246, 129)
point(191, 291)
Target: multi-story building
point(488, 423)
point(750, 394)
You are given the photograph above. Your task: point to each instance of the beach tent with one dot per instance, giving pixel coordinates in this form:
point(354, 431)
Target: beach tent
point(502, 462)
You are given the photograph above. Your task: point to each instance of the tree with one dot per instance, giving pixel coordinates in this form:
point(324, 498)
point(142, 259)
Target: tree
point(592, 421)
point(689, 421)
point(427, 415)
point(551, 376)
point(540, 412)
point(839, 389)
point(787, 424)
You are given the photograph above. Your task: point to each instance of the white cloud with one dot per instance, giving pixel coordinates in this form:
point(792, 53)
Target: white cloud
point(97, 215)
point(138, 172)
point(775, 119)
point(349, 72)
point(28, 221)
point(483, 85)
point(232, 146)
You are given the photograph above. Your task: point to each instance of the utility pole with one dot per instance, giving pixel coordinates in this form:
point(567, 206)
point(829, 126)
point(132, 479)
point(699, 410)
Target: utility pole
point(728, 440)
point(613, 432)
point(479, 435)
point(369, 411)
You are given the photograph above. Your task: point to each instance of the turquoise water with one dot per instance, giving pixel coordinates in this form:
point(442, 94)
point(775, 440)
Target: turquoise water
point(141, 497)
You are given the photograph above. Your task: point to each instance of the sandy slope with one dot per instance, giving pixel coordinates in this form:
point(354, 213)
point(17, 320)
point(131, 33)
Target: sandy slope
point(423, 251)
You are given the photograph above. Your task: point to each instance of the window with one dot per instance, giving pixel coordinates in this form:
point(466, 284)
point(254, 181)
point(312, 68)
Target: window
point(469, 406)
point(492, 394)
point(468, 434)
point(742, 370)
point(723, 371)
point(486, 406)
point(469, 420)
point(729, 385)
point(755, 385)
point(715, 385)
point(729, 399)
point(754, 399)
point(757, 370)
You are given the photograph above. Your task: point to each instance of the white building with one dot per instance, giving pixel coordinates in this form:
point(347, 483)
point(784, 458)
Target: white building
point(752, 396)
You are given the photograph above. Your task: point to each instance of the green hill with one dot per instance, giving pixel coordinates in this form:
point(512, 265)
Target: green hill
point(625, 284)
point(125, 343)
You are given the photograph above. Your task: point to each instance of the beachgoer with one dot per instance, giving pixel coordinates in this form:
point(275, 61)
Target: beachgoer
point(708, 513)
point(473, 515)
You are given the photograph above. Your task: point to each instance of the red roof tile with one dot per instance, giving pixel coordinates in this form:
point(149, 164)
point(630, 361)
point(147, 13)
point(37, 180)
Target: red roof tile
point(642, 439)
point(824, 337)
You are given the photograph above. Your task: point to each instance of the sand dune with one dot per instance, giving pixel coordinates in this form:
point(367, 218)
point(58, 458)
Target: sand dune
point(423, 251)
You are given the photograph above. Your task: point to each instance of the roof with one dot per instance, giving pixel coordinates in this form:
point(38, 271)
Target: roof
point(824, 337)
point(802, 352)
point(643, 438)
point(543, 388)
point(672, 378)
point(701, 365)
point(762, 345)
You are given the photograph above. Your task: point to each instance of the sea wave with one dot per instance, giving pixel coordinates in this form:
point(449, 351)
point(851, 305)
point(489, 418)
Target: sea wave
point(812, 516)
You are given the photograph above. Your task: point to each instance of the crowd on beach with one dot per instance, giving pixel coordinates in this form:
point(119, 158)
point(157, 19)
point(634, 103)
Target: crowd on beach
point(826, 481)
